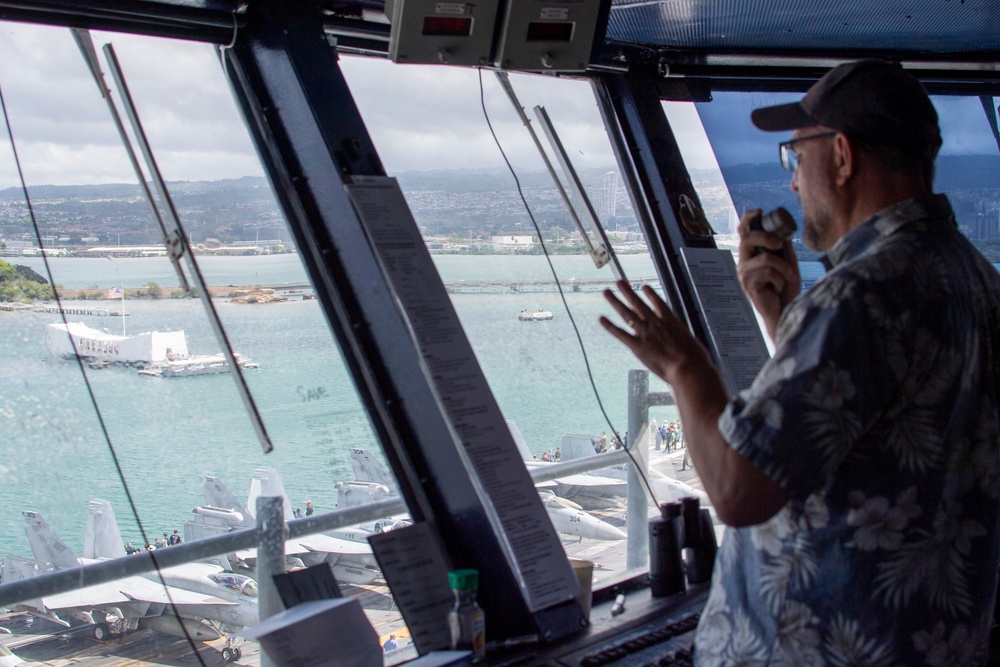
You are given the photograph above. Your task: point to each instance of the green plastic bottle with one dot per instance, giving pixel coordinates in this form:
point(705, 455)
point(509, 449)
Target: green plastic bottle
point(466, 620)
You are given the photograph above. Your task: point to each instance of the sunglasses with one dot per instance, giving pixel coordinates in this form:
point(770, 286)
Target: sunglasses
point(790, 157)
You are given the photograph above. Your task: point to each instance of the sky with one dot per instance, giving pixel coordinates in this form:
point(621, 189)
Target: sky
point(420, 117)
point(64, 133)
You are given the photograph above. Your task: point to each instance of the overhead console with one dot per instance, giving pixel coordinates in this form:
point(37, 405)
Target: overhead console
point(525, 35)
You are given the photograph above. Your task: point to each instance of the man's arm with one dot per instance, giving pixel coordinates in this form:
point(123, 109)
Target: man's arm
point(770, 281)
point(741, 493)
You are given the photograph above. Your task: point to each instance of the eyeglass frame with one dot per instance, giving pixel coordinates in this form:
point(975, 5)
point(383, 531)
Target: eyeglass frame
point(788, 155)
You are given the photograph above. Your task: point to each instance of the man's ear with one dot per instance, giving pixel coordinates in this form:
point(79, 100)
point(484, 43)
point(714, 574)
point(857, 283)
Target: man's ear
point(844, 158)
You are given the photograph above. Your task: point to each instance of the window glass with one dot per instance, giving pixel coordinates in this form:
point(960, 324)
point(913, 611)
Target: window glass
point(967, 167)
point(112, 452)
point(487, 251)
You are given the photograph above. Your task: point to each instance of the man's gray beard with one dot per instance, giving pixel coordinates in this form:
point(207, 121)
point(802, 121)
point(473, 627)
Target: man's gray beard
point(812, 229)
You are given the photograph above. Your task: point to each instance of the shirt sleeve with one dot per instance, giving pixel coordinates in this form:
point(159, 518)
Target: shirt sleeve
point(830, 377)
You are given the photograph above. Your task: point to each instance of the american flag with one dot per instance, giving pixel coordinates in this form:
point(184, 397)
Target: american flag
point(115, 293)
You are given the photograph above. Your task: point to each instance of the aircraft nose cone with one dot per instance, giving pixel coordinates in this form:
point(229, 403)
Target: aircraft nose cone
point(605, 531)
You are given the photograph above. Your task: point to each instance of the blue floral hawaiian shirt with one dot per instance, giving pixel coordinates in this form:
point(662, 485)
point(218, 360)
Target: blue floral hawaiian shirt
point(879, 415)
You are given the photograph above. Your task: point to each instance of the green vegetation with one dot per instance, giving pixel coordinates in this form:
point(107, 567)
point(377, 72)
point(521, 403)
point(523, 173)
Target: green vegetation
point(153, 290)
point(22, 284)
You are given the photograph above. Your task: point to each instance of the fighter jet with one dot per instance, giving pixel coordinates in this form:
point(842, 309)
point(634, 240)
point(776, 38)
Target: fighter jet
point(345, 550)
point(567, 517)
point(667, 489)
point(604, 488)
point(200, 598)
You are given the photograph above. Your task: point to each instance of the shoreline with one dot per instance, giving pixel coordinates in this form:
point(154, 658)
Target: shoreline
point(96, 294)
point(99, 294)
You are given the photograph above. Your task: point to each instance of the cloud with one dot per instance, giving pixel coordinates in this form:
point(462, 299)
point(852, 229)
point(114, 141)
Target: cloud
point(965, 128)
point(423, 117)
point(64, 132)
point(420, 117)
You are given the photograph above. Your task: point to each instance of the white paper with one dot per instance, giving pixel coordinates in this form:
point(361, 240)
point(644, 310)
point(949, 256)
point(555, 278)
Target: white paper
point(319, 632)
point(417, 573)
point(545, 577)
point(734, 329)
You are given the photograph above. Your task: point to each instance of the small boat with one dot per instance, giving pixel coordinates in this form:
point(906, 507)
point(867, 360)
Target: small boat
point(534, 315)
point(198, 364)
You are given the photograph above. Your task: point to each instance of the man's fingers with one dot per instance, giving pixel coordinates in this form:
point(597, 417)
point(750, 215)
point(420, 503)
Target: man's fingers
point(660, 306)
point(624, 311)
point(627, 338)
point(639, 307)
point(616, 331)
point(767, 263)
point(760, 239)
point(766, 277)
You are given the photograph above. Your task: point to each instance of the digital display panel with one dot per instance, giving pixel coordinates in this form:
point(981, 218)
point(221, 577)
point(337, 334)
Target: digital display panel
point(447, 26)
point(550, 31)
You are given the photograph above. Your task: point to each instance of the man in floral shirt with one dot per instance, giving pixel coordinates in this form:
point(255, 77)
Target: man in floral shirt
point(861, 471)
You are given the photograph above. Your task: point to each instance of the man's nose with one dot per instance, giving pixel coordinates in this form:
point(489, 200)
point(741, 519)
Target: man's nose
point(794, 185)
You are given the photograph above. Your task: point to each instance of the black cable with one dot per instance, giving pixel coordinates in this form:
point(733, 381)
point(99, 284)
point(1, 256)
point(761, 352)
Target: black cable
point(86, 379)
point(562, 295)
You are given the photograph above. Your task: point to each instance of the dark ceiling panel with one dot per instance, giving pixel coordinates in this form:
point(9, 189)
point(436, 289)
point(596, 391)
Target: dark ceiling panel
point(939, 26)
point(206, 20)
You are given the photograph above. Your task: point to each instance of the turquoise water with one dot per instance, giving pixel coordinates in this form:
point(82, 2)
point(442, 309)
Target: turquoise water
point(167, 432)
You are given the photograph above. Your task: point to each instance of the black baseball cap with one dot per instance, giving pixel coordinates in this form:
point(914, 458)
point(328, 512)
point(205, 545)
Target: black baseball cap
point(872, 101)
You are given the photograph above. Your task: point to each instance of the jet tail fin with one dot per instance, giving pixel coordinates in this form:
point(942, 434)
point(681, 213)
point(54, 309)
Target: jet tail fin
point(369, 469)
point(522, 446)
point(102, 538)
point(45, 543)
point(218, 494)
point(267, 482)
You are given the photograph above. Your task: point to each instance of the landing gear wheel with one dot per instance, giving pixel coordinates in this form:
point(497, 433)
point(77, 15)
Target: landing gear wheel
point(237, 653)
point(101, 632)
point(227, 654)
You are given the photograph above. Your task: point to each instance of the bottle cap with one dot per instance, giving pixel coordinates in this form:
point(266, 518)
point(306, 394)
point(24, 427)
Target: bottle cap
point(464, 579)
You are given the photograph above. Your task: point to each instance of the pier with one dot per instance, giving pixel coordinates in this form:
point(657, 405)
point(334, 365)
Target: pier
point(533, 286)
point(503, 286)
point(76, 310)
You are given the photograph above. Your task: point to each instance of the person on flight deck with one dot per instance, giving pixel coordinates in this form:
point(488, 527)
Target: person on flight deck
point(859, 473)
point(309, 508)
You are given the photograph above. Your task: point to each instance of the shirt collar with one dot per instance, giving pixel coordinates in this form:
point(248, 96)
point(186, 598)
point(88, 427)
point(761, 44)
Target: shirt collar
point(886, 222)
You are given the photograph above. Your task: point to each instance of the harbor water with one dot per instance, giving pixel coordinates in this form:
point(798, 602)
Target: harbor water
point(73, 433)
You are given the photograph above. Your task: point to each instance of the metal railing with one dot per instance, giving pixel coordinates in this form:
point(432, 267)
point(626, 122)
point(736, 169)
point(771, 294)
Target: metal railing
point(271, 531)
point(61, 581)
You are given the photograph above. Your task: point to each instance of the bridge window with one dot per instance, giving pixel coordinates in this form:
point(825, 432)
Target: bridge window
point(118, 389)
point(489, 253)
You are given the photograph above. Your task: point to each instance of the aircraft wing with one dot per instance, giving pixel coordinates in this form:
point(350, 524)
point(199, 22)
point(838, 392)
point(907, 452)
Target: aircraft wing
point(334, 545)
point(579, 479)
point(123, 591)
point(594, 484)
point(308, 544)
